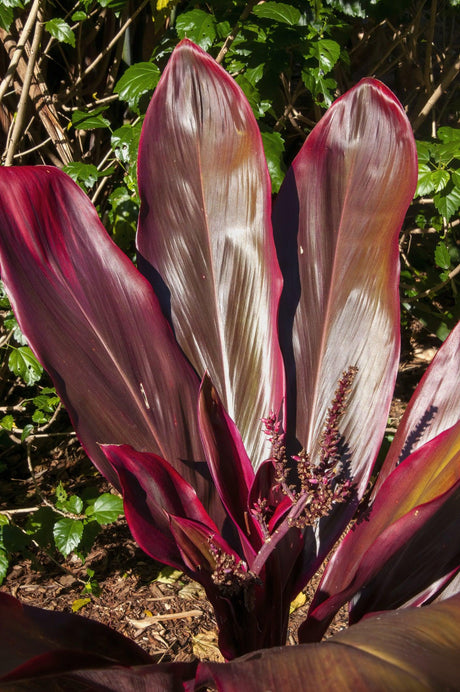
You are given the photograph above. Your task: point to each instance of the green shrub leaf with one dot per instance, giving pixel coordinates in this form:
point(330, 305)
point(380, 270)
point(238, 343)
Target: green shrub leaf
point(136, 81)
point(67, 534)
point(107, 508)
point(198, 26)
point(61, 31)
point(278, 12)
point(83, 120)
point(441, 256)
point(23, 363)
point(274, 151)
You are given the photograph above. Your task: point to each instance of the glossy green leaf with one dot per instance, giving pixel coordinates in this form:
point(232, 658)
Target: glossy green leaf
point(442, 256)
point(274, 152)
point(84, 173)
point(67, 534)
point(138, 79)
point(4, 564)
point(448, 203)
point(107, 508)
point(60, 30)
point(6, 17)
point(277, 12)
point(198, 26)
point(85, 120)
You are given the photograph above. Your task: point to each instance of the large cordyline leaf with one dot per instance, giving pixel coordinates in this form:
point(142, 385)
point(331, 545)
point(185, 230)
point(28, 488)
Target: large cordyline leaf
point(95, 323)
point(336, 224)
point(415, 649)
point(205, 229)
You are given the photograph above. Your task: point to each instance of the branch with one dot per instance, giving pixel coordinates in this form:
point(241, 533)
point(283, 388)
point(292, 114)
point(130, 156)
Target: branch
point(21, 112)
point(236, 30)
point(107, 49)
point(437, 93)
point(19, 48)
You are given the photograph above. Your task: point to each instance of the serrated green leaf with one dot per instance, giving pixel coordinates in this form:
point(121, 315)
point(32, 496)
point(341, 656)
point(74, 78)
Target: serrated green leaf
point(67, 534)
point(6, 17)
point(125, 142)
point(23, 363)
point(274, 152)
point(447, 151)
point(60, 30)
point(440, 178)
point(4, 564)
point(449, 134)
point(136, 81)
point(86, 174)
point(79, 16)
point(82, 120)
point(455, 175)
point(320, 87)
point(45, 402)
point(39, 418)
point(447, 204)
point(107, 508)
point(278, 12)
point(423, 152)
point(198, 26)
point(441, 256)
point(326, 52)
point(7, 422)
point(4, 520)
point(61, 493)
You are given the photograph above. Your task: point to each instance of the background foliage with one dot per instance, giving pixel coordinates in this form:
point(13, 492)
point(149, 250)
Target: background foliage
point(76, 81)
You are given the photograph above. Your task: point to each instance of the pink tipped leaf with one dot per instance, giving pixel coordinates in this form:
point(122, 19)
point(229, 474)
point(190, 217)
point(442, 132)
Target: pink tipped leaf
point(94, 323)
point(152, 491)
point(336, 223)
point(205, 231)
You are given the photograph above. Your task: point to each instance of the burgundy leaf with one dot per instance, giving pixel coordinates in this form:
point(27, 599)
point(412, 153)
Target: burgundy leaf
point(228, 462)
point(27, 632)
point(200, 545)
point(414, 649)
point(205, 231)
point(152, 490)
point(336, 223)
point(94, 323)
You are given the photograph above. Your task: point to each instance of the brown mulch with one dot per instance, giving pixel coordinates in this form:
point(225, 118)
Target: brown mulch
point(163, 611)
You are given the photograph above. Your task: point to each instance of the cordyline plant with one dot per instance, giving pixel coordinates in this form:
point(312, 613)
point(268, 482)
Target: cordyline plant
point(235, 388)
